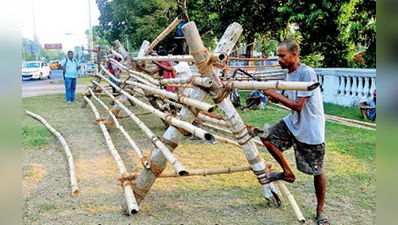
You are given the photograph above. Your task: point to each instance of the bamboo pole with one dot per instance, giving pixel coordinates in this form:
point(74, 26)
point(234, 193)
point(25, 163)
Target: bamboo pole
point(132, 205)
point(205, 172)
point(180, 98)
point(212, 120)
point(228, 111)
point(135, 147)
point(125, 55)
point(216, 57)
point(272, 85)
point(164, 33)
point(155, 140)
point(292, 202)
point(116, 54)
point(72, 171)
point(202, 134)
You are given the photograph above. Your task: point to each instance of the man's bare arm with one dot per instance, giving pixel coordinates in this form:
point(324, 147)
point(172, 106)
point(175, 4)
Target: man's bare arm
point(294, 105)
point(168, 68)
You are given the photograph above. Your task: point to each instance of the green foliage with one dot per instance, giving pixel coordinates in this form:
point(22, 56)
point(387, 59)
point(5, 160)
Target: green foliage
point(135, 20)
point(334, 30)
point(313, 60)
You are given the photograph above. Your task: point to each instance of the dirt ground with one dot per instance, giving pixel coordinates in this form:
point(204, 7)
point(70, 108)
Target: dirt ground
point(225, 199)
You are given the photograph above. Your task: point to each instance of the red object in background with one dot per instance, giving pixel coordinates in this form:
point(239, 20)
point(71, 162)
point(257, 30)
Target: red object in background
point(53, 46)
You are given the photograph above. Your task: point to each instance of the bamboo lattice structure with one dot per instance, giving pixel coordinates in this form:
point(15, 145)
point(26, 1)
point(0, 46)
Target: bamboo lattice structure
point(187, 108)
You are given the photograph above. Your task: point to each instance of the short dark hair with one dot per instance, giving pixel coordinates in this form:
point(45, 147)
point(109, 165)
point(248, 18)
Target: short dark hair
point(70, 52)
point(178, 50)
point(162, 52)
point(291, 45)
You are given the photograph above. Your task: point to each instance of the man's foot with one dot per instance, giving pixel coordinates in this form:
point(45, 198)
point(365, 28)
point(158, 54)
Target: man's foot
point(321, 219)
point(274, 176)
point(68, 102)
point(74, 101)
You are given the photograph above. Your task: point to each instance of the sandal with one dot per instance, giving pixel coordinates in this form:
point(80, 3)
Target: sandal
point(322, 220)
point(274, 176)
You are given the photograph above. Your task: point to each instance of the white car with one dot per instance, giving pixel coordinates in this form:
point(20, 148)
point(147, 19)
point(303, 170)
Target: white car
point(36, 70)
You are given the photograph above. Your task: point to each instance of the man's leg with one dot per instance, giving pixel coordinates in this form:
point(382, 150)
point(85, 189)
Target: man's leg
point(73, 89)
point(67, 89)
point(364, 113)
point(278, 155)
point(320, 191)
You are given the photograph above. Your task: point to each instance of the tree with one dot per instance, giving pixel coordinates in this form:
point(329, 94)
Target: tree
point(136, 20)
point(361, 35)
point(319, 25)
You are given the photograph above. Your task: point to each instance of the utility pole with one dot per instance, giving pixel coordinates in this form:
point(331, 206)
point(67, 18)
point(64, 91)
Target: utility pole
point(90, 32)
point(35, 42)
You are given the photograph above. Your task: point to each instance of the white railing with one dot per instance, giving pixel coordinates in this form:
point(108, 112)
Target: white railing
point(346, 87)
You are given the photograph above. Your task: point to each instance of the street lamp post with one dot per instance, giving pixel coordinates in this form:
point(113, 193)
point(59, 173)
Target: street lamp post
point(34, 47)
point(90, 31)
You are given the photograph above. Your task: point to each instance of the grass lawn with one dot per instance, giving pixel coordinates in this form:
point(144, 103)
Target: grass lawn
point(350, 166)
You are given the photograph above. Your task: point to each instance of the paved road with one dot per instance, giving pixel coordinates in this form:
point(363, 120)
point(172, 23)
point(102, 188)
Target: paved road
point(31, 88)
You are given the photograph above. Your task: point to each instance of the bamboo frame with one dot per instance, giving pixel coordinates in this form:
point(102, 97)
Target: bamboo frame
point(155, 140)
point(202, 134)
point(131, 202)
point(135, 147)
point(228, 111)
point(180, 98)
point(72, 171)
point(204, 82)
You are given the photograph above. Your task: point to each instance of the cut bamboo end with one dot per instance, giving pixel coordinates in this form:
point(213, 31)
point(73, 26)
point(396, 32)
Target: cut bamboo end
point(75, 193)
point(292, 202)
point(219, 56)
point(313, 86)
point(209, 138)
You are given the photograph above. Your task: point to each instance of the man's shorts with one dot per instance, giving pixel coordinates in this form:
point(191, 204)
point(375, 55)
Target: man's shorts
point(309, 158)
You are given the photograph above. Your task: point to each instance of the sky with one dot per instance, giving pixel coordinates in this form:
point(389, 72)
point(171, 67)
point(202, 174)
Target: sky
point(59, 21)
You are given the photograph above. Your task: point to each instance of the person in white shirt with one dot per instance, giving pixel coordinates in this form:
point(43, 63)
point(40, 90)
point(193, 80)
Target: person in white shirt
point(304, 129)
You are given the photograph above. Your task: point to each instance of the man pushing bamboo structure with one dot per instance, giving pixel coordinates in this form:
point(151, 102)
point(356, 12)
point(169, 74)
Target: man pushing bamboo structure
point(190, 106)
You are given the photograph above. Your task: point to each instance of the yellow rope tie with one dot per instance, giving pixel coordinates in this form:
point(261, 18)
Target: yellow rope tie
point(212, 115)
point(207, 63)
point(141, 189)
